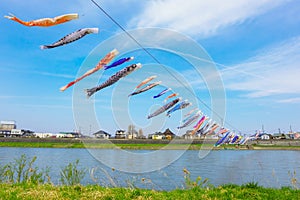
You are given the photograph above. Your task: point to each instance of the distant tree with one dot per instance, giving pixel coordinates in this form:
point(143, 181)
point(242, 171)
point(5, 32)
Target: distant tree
point(131, 131)
point(140, 134)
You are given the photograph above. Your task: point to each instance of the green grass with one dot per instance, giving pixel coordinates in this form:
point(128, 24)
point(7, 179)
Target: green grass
point(48, 191)
point(139, 146)
point(159, 146)
point(42, 144)
point(274, 147)
point(101, 145)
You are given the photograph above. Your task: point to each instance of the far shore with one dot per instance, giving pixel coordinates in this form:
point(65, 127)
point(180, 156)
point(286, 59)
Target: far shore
point(147, 144)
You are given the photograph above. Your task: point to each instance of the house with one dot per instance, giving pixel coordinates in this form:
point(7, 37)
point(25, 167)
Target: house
point(120, 134)
point(28, 133)
point(158, 136)
point(265, 136)
point(5, 133)
point(102, 135)
point(278, 136)
point(169, 134)
point(188, 135)
point(150, 136)
point(165, 135)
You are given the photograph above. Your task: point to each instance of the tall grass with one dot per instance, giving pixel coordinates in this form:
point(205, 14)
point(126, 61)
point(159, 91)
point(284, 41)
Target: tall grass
point(294, 182)
point(22, 170)
point(197, 183)
point(71, 174)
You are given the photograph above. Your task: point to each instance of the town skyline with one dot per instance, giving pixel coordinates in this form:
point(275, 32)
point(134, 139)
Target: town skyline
point(256, 57)
point(132, 130)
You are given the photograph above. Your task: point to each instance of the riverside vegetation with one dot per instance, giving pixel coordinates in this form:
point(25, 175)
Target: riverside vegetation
point(20, 179)
point(141, 144)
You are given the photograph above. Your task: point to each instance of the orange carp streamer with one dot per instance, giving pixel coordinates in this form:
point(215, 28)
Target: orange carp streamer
point(100, 65)
point(171, 96)
point(147, 80)
point(45, 22)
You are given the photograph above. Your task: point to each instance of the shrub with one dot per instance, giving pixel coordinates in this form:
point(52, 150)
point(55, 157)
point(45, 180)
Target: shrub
point(251, 185)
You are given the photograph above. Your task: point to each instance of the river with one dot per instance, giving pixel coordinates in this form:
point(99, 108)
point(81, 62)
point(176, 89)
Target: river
point(269, 168)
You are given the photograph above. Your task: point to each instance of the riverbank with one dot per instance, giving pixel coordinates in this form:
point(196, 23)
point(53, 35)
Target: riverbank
point(137, 146)
point(49, 192)
point(147, 144)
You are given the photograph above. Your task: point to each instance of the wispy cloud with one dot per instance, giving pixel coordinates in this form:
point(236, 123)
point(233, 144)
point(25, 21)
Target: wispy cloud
point(34, 97)
point(201, 18)
point(39, 73)
point(274, 71)
point(53, 74)
point(290, 100)
point(44, 106)
point(11, 96)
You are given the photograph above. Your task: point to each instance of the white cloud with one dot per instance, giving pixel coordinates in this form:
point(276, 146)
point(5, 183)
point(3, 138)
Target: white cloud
point(273, 71)
point(39, 73)
point(44, 106)
point(33, 97)
point(290, 100)
point(201, 18)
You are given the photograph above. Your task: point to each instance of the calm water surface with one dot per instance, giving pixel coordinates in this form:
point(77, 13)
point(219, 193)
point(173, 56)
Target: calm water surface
point(269, 168)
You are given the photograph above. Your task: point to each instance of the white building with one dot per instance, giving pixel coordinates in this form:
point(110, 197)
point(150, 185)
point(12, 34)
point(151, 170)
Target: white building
point(8, 125)
point(16, 132)
point(44, 135)
point(64, 135)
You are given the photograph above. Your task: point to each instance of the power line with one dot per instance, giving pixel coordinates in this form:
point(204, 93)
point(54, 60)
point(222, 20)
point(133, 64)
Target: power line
point(156, 60)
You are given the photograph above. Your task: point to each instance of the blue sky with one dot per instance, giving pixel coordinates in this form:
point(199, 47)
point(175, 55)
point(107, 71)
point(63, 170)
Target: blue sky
point(255, 45)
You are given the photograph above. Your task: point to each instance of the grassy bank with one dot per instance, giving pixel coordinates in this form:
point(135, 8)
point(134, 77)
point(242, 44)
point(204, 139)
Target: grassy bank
point(47, 191)
point(103, 145)
point(139, 145)
point(274, 147)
